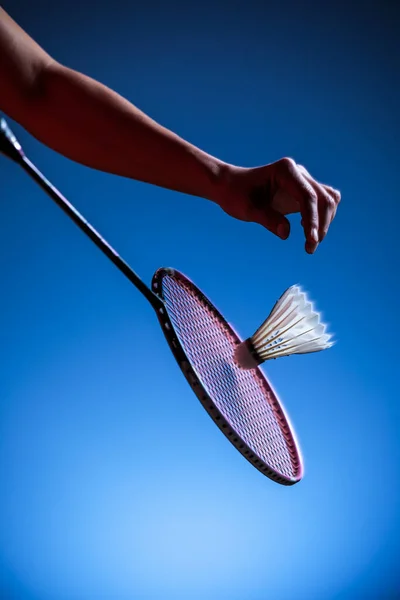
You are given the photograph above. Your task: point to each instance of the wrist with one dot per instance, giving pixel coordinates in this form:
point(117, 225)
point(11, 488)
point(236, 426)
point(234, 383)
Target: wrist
point(226, 184)
point(220, 177)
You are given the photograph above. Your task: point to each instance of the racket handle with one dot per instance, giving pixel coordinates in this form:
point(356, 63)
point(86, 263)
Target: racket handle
point(9, 145)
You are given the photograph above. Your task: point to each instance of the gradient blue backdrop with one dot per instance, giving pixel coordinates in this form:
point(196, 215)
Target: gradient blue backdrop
point(115, 484)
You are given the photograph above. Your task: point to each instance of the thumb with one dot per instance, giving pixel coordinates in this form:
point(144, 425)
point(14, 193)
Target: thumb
point(272, 220)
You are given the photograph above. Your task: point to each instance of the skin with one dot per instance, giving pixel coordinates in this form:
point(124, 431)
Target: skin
point(91, 124)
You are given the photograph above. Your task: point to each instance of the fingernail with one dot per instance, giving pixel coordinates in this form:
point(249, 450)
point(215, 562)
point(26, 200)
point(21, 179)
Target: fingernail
point(314, 235)
point(283, 231)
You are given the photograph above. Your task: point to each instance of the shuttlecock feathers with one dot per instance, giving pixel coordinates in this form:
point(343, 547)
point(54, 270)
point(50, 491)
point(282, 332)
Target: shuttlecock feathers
point(292, 327)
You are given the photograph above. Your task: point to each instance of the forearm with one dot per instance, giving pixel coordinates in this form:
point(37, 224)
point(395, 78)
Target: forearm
point(89, 123)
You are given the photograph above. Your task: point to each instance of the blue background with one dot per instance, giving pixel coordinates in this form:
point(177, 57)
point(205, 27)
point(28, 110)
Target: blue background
point(115, 484)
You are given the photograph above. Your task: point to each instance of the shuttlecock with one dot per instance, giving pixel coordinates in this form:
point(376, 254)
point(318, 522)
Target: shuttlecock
point(293, 327)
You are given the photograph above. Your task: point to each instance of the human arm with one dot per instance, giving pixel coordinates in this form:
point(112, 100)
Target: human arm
point(91, 124)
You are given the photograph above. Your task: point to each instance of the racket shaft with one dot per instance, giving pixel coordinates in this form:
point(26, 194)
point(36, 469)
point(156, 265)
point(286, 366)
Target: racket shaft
point(11, 147)
point(91, 232)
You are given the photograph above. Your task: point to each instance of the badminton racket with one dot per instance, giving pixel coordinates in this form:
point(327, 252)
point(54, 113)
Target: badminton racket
point(242, 403)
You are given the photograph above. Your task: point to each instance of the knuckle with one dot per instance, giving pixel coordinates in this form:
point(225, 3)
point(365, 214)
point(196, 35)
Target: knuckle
point(287, 163)
point(335, 194)
point(330, 202)
point(303, 170)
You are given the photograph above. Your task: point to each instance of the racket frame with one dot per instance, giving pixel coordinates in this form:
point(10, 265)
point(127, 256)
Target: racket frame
point(205, 399)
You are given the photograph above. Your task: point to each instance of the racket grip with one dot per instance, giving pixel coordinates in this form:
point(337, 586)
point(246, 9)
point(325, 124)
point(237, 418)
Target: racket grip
point(9, 145)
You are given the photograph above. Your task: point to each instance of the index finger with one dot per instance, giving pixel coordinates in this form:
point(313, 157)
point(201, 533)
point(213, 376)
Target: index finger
point(291, 180)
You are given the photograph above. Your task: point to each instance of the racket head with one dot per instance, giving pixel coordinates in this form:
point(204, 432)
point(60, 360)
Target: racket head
point(241, 403)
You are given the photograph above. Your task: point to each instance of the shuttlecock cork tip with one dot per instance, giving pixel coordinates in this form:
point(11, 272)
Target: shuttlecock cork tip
point(245, 355)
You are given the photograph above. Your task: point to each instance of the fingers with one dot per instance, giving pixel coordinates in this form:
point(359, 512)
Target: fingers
point(291, 179)
point(336, 196)
point(326, 210)
point(318, 203)
point(328, 201)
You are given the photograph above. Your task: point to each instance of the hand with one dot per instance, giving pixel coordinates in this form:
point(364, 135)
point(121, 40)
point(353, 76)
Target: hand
point(266, 194)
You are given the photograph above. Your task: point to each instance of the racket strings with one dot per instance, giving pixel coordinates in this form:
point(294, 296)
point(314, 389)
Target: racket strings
point(241, 396)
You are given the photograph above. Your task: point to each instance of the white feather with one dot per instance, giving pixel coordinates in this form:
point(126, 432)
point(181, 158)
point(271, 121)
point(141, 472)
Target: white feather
point(293, 327)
